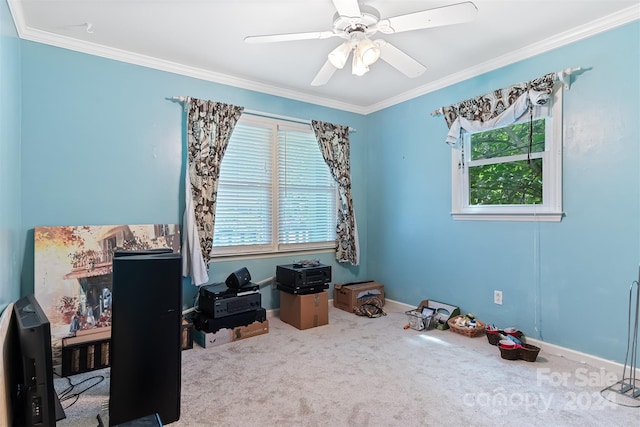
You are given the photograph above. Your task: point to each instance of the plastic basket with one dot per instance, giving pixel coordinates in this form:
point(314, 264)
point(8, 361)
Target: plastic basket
point(417, 321)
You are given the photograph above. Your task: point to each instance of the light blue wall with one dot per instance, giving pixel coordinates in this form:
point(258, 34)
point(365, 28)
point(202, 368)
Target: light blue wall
point(11, 236)
point(102, 145)
point(567, 282)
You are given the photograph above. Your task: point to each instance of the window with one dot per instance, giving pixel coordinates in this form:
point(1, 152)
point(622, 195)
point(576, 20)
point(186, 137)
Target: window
point(275, 193)
point(502, 174)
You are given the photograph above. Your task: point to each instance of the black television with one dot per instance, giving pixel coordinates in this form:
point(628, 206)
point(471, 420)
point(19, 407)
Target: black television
point(34, 399)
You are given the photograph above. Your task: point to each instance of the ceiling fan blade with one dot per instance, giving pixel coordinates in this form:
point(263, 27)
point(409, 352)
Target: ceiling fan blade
point(399, 60)
point(325, 73)
point(348, 8)
point(446, 15)
point(317, 35)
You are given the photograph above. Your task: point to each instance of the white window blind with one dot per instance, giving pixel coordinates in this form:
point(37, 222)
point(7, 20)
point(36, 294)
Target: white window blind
point(244, 202)
point(307, 192)
point(275, 191)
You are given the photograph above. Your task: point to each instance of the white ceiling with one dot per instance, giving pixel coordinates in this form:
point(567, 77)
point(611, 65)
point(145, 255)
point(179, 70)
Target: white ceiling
point(204, 39)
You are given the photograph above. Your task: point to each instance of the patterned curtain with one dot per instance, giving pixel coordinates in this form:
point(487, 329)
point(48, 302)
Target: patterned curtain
point(334, 144)
point(209, 127)
point(498, 108)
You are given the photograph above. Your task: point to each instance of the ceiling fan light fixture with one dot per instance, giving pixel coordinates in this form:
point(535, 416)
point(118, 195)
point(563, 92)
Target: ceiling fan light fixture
point(358, 67)
point(338, 56)
point(369, 51)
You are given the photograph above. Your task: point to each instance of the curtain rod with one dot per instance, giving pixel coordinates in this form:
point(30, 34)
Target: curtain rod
point(561, 75)
point(263, 114)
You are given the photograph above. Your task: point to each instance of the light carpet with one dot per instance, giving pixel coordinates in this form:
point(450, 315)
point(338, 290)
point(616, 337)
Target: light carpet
point(358, 371)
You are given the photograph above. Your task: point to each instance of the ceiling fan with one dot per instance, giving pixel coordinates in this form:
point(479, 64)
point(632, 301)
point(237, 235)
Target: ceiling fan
point(357, 23)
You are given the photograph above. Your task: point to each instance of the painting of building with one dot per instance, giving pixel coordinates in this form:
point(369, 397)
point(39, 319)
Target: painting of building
point(73, 271)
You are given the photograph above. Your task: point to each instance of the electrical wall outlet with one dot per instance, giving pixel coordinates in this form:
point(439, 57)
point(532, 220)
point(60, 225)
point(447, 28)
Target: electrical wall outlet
point(497, 297)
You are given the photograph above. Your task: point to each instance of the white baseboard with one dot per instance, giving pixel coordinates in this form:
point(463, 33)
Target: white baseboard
point(556, 350)
point(584, 358)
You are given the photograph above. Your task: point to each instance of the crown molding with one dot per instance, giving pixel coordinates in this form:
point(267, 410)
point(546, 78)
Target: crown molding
point(176, 68)
point(614, 20)
point(606, 23)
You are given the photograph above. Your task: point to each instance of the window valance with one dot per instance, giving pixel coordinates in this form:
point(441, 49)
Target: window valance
point(500, 107)
point(489, 106)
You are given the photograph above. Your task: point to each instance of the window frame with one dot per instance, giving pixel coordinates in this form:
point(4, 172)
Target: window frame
point(275, 248)
point(551, 208)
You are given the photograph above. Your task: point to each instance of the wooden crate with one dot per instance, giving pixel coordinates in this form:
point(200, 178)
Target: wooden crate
point(84, 357)
point(187, 334)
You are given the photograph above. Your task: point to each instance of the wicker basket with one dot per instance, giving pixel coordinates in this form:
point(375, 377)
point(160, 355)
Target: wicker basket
point(529, 352)
point(509, 353)
point(526, 352)
point(467, 332)
point(493, 337)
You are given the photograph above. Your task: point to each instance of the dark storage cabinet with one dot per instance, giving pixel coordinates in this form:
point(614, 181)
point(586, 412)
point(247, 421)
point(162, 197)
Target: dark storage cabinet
point(146, 337)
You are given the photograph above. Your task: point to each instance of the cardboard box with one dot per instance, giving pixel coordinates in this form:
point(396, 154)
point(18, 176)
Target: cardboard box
point(347, 295)
point(442, 312)
point(304, 311)
point(226, 335)
point(256, 328)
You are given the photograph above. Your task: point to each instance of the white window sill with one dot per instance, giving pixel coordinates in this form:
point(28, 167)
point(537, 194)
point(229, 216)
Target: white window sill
point(261, 255)
point(538, 217)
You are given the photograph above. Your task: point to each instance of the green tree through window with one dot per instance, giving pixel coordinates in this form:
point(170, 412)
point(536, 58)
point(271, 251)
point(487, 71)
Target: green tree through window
point(497, 174)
